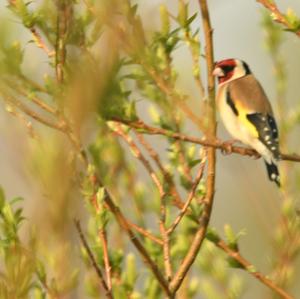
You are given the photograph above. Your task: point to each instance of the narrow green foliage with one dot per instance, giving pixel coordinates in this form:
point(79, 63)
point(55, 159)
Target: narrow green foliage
point(130, 274)
point(12, 58)
point(164, 17)
point(212, 235)
point(20, 8)
point(231, 237)
point(293, 20)
point(19, 264)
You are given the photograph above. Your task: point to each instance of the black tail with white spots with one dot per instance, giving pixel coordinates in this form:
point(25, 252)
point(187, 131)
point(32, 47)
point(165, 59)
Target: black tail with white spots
point(273, 173)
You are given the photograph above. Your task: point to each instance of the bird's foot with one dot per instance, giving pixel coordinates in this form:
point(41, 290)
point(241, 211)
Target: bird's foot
point(227, 146)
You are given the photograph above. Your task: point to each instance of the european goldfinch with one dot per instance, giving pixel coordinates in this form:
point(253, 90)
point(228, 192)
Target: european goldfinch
point(246, 111)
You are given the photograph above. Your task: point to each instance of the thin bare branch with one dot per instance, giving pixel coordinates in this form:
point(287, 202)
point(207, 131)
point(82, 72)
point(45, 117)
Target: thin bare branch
point(40, 43)
point(189, 199)
point(166, 250)
point(63, 18)
point(35, 99)
point(98, 271)
point(61, 126)
point(107, 266)
point(145, 233)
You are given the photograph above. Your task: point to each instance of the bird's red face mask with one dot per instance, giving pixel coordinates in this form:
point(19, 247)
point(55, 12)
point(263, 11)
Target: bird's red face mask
point(224, 70)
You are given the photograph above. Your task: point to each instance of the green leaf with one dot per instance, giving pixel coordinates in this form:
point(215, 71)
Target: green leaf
point(194, 162)
point(13, 58)
point(130, 274)
point(292, 18)
point(231, 237)
point(2, 198)
point(191, 19)
point(233, 263)
point(8, 214)
point(212, 235)
point(16, 200)
point(182, 13)
point(41, 271)
point(164, 17)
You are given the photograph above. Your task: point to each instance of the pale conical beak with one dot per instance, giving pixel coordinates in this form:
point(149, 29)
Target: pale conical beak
point(218, 72)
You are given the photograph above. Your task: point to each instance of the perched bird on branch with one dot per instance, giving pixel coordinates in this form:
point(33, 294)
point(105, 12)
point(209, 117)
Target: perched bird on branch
point(246, 111)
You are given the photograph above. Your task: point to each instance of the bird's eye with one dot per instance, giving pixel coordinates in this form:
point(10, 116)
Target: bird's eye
point(228, 68)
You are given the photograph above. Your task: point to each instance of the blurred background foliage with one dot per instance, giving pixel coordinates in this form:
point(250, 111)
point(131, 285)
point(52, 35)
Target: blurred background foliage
point(70, 71)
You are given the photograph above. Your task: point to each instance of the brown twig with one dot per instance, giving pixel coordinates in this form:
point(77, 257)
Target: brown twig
point(145, 233)
point(36, 100)
point(278, 16)
point(61, 126)
point(40, 43)
point(98, 271)
point(63, 16)
point(166, 245)
point(246, 265)
point(107, 267)
point(212, 142)
point(189, 199)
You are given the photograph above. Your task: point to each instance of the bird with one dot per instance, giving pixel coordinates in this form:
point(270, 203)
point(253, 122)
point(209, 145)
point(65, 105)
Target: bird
point(246, 111)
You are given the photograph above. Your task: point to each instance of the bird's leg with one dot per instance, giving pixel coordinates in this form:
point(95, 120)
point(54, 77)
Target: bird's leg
point(227, 146)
